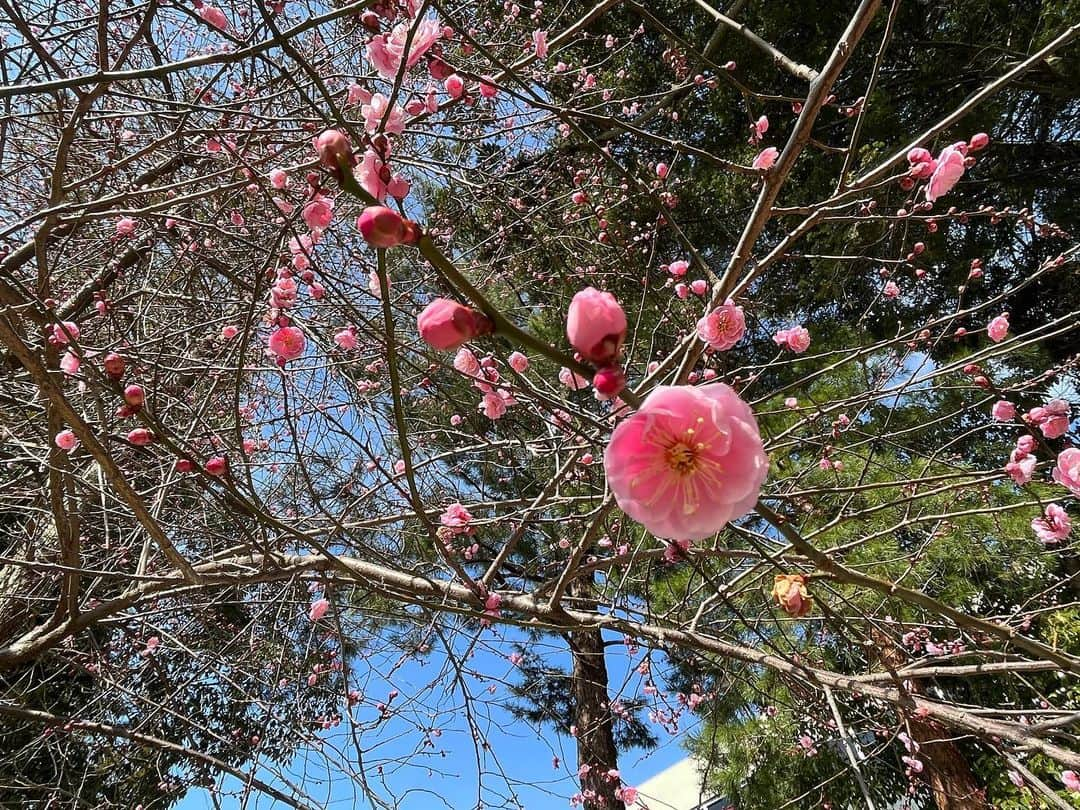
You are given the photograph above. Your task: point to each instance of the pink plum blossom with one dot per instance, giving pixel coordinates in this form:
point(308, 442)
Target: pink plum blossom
point(950, 167)
point(572, 380)
point(67, 440)
point(921, 163)
point(287, 342)
point(1021, 465)
point(723, 327)
point(134, 395)
point(608, 382)
point(398, 187)
point(998, 327)
point(1003, 411)
point(358, 94)
point(70, 363)
point(690, 460)
point(125, 226)
point(319, 212)
point(386, 51)
point(758, 129)
point(140, 437)
point(518, 362)
point(766, 158)
point(1054, 526)
point(678, 268)
point(63, 332)
point(492, 405)
point(214, 16)
point(279, 179)
point(796, 339)
point(455, 86)
point(1067, 471)
point(456, 519)
point(346, 339)
point(466, 363)
point(540, 43)
point(1071, 780)
point(369, 174)
point(1052, 418)
point(376, 110)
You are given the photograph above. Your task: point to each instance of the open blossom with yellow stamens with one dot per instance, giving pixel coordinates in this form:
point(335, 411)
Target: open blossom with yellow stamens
point(789, 591)
point(689, 461)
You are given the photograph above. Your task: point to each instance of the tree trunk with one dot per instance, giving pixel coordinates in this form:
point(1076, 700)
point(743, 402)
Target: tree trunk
point(592, 716)
point(946, 769)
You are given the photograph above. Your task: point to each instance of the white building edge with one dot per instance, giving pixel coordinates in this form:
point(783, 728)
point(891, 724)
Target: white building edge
point(679, 787)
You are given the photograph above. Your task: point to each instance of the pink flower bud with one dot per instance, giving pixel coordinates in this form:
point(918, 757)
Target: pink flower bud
point(184, 465)
point(134, 395)
point(446, 324)
point(216, 465)
point(381, 226)
point(596, 326)
point(919, 155)
point(318, 609)
point(333, 148)
point(661, 170)
point(980, 140)
point(114, 365)
point(140, 437)
point(609, 381)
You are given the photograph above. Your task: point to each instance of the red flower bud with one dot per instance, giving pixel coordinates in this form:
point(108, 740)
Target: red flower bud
point(609, 381)
point(114, 365)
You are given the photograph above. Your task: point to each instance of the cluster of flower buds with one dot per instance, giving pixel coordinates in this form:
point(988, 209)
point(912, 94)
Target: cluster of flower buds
point(596, 328)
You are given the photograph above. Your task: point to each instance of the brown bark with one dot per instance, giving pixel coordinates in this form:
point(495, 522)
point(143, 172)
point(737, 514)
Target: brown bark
point(945, 768)
point(592, 715)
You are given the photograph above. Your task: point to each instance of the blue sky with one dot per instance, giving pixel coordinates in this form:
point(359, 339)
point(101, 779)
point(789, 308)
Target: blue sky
point(447, 775)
